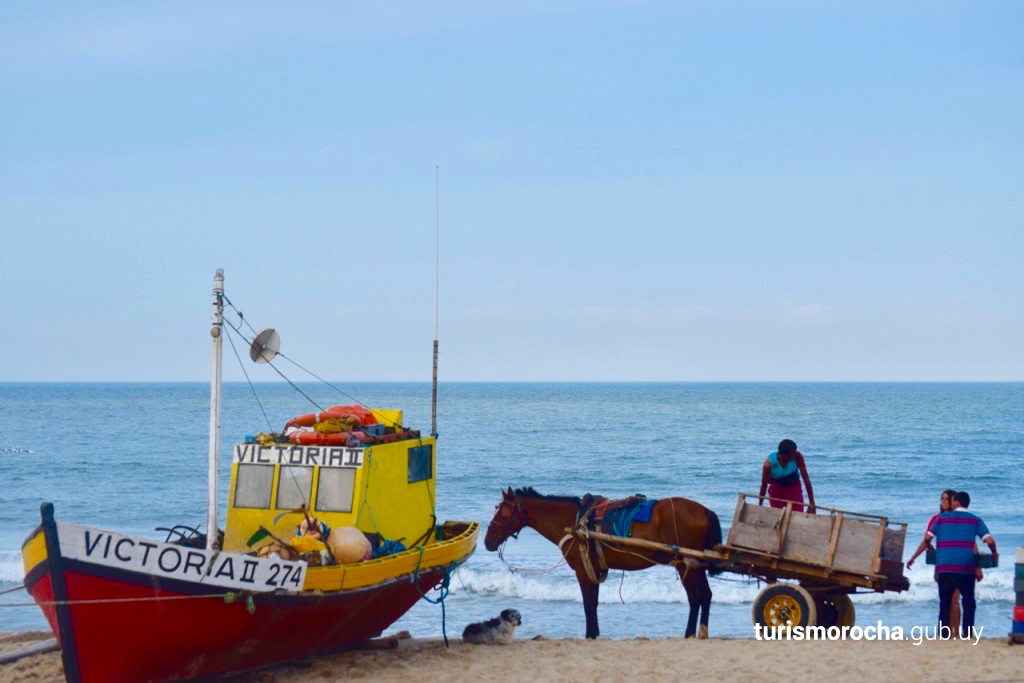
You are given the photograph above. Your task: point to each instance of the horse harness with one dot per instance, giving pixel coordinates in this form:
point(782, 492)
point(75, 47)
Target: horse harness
point(592, 517)
point(517, 512)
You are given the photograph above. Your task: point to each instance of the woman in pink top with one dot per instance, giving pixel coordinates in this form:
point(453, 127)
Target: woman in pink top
point(780, 477)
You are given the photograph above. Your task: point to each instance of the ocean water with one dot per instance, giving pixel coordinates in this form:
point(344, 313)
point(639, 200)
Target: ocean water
point(132, 457)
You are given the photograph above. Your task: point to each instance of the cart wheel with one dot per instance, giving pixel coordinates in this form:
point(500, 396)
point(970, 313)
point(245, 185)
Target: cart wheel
point(828, 614)
point(783, 603)
point(834, 609)
point(846, 615)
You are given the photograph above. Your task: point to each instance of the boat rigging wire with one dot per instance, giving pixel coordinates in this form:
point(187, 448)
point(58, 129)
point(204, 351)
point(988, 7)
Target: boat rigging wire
point(291, 470)
point(231, 341)
point(283, 376)
point(300, 367)
point(338, 389)
point(241, 316)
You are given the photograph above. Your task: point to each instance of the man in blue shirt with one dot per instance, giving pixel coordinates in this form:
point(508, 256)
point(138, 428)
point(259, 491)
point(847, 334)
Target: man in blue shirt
point(954, 534)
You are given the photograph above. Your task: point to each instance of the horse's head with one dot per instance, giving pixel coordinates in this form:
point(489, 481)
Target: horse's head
point(508, 520)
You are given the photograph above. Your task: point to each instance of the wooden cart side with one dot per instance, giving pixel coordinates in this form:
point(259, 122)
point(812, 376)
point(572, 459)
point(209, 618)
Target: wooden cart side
point(755, 527)
point(807, 540)
point(840, 540)
point(864, 515)
point(834, 539)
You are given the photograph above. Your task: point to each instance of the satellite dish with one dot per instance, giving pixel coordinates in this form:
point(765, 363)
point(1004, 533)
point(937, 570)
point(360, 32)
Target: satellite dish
point(265, 346)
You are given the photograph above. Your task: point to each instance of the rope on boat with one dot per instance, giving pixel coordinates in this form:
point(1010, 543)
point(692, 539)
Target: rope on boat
point(371, 464)
point(227, 597)
point(442, 587)
point(250, 603)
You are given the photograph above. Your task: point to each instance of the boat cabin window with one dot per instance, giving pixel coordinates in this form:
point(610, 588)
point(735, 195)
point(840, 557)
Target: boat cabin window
point(421, 463)
point(334, 492)
point(293, 487)
point(253, 485)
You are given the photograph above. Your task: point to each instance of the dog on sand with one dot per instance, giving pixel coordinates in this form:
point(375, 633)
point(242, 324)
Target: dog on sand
point(498, 631)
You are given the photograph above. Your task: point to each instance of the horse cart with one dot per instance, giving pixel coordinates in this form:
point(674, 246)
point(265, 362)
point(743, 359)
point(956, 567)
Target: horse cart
point(824, 556)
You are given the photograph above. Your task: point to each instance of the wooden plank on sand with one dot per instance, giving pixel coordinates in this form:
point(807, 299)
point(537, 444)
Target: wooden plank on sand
point(49, 645)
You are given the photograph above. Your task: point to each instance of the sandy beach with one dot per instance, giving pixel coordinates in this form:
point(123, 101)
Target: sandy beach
point(640, 659)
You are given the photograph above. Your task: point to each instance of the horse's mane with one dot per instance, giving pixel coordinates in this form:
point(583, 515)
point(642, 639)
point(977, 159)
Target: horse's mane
point(530, 492)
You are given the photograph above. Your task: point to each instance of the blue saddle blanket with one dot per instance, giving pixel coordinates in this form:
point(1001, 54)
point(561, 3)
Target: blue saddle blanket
point(620, 522)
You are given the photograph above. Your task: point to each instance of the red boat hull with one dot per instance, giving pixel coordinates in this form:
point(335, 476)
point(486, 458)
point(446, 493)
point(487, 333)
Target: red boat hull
point(184, 635)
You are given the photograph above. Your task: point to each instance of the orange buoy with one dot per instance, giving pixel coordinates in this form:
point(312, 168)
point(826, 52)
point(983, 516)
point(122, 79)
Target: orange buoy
point(348, 544)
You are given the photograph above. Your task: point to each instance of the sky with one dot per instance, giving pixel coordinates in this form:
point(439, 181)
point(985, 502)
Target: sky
point(628, 191)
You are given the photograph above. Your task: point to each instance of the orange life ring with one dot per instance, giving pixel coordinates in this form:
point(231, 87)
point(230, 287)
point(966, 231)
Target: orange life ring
point(331, 439)
point(358, 415)
point(364, 415)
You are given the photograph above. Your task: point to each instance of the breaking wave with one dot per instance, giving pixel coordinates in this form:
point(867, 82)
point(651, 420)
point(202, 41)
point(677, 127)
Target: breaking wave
point(663, 586)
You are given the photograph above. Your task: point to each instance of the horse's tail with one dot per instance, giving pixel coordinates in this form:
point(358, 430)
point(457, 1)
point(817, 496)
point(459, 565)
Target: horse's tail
point(714, 536)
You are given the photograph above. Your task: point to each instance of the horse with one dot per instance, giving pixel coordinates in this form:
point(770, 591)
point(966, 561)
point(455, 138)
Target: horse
point(674, 521)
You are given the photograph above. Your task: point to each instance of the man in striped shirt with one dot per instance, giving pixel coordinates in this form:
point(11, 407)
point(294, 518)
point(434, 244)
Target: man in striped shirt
point(954, 533)
point(945, 505)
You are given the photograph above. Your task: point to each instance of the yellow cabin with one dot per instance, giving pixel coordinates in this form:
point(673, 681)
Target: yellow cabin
point(384, 488)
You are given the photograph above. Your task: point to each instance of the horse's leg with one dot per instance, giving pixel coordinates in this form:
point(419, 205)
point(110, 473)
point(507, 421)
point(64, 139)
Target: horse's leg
point(693, 597)
point(704, 589)
point(589, 590)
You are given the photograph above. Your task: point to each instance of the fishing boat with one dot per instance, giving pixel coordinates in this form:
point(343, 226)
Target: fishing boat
point(126, 608)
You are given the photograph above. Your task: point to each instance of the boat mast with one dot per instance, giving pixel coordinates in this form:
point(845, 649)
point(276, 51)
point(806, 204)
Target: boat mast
point(218, 344)
point(437, 287)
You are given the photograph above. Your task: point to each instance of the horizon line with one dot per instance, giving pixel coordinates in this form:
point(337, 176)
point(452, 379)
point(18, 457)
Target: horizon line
point(530, 381)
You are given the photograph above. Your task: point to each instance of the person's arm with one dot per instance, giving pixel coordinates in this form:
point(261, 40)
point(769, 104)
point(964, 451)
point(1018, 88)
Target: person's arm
point(807, 481)
point(765, 471)
point(984, 535)
point(991, 543)
point(925, 544)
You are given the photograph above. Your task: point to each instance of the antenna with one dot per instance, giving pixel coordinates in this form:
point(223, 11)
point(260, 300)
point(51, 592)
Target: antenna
point(265, 346)
point(437, 289)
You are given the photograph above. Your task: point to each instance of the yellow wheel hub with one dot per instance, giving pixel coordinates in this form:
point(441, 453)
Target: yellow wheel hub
point(782, 609)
